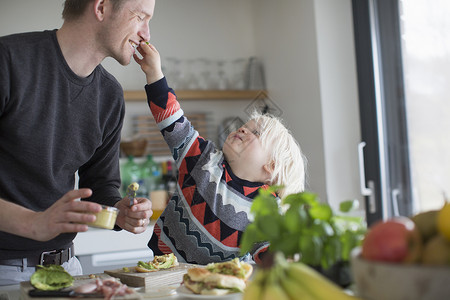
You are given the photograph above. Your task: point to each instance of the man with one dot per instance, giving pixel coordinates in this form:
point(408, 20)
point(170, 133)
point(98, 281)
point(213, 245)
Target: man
point(61, 112)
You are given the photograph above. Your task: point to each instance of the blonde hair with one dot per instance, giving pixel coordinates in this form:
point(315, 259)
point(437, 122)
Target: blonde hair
point(286, 158)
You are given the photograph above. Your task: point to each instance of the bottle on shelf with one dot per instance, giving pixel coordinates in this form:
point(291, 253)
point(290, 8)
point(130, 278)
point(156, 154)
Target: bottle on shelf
point(129, 172)
point(142, 191)
point(150, 174)
point(164, 173)
point(158, 195)
point(170, 179)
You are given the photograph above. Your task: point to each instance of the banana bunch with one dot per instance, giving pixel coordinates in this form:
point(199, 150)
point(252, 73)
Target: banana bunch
point(289, 281)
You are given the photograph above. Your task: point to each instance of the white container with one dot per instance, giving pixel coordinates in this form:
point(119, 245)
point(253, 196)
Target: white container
point(106, 218)
point(395, 281)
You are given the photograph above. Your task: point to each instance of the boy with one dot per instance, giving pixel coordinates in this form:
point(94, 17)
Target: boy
point(205, 218)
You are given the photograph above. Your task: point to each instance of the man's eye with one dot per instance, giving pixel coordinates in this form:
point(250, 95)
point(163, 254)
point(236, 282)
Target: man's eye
point(256, 132)
point(137, 16)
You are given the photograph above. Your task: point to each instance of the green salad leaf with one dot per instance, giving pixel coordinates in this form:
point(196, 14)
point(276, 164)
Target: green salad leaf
point(50, 278)
point(305, 226)
point(148, 266)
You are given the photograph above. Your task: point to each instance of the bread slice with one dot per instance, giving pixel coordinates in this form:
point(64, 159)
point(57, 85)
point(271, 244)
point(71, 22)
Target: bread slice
point(225, 281)
point(202, 281)
point(215, 292)
point(198, 274)
point(195, 287)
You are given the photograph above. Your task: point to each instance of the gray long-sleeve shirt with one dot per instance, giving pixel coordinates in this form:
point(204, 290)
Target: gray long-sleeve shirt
point(53, 123)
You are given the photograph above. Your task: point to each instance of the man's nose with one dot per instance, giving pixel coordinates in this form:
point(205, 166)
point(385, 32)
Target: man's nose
point(144, 33)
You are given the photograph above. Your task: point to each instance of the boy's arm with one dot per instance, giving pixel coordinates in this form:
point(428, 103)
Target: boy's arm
point(174, 126)
point(259, 251)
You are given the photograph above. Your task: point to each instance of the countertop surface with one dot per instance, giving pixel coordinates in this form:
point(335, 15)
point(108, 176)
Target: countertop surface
point(12, 292)
point(166, 289)
point(97, 240)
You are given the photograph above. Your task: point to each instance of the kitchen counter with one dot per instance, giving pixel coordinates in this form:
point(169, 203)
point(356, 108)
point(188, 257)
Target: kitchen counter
point(107, 249)
point(12, 292)
point(100, 249)
point(96, 240)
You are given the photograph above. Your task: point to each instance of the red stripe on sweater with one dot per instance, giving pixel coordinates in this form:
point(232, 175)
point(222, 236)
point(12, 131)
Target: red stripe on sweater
point(227, 176)
point(249, 190)
point(194, 150)
point(198, 211)
point(232, 240)
point(188, 194)
point(214, 229)
point(161, 246)
point(160, 114)
point(256, 256)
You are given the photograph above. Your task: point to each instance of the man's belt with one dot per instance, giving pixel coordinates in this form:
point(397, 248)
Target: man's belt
point(52, 257)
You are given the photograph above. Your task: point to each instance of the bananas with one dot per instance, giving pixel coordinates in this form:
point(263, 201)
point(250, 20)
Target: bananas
point(252, 291)
point(289, 281)
point(295, 290)
point(255, 287)
point(318, 285)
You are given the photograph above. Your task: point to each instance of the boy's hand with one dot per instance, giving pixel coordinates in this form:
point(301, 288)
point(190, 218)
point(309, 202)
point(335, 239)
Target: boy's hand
point(150, 62)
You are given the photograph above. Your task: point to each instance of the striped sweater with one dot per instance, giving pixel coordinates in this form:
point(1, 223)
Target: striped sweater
point(210, 209)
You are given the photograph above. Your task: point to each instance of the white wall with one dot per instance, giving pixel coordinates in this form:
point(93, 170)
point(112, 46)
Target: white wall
point(286, 39)
point(307, 49)
point(339, 96)
point(308, 52)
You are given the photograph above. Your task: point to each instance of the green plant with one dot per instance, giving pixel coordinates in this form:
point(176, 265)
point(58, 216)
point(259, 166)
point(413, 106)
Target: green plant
point(305, 226)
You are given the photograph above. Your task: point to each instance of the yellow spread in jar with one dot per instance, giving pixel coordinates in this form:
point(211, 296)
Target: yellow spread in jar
point(106, 218)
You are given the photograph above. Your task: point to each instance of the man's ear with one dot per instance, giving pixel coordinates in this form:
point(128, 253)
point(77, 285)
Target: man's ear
point(99, 9)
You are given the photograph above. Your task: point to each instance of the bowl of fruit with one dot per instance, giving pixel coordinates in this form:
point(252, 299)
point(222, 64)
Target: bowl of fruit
point(405, 258)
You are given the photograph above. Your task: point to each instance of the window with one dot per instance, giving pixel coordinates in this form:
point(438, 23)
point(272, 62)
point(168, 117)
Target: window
point(403, 54)
point(425, 40)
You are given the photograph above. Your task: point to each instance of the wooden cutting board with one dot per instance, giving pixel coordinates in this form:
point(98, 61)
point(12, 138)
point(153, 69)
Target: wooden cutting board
point(151, 280)
point(26, 286)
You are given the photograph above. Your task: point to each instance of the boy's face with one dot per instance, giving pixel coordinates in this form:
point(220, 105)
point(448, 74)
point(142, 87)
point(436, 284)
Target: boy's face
point(244, 146)
point(126, 28)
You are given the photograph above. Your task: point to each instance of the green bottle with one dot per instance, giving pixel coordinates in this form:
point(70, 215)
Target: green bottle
point(129, 173)
point(150, 173)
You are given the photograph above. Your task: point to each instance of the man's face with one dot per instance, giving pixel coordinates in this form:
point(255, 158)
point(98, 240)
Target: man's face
point(125, 28)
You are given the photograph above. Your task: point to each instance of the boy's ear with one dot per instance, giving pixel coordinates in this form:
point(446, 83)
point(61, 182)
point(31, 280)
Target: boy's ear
point(269, 167)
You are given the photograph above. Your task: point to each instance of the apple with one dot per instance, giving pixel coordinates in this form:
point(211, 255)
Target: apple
point(393, 240)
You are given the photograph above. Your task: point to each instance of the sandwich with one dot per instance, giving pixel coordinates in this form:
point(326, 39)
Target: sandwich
point(218, 278)
point(159, 262)
point(233, 267)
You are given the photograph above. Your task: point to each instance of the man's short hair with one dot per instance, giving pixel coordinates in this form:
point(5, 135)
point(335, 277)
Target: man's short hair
point(73, 9)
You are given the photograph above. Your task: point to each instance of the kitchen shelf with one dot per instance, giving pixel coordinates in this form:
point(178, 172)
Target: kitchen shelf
point(204, 95)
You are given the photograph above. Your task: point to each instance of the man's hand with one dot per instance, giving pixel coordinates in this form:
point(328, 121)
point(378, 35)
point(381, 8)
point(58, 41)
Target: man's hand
point(135, 218)
point(65, 215)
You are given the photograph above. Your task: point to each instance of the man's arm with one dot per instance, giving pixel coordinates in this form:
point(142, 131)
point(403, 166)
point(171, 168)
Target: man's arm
point(65, 215)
